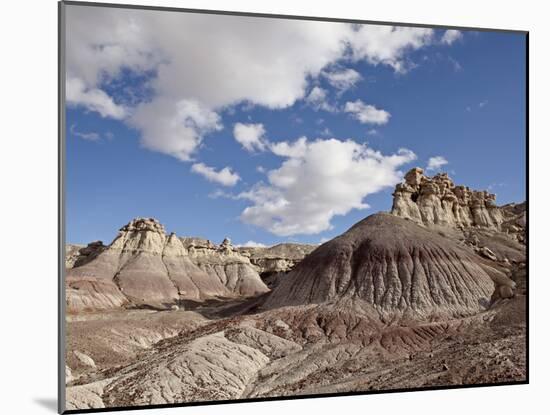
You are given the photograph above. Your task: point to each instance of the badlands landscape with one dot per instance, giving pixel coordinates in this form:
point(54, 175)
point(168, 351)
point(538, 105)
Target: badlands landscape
point(430, 294)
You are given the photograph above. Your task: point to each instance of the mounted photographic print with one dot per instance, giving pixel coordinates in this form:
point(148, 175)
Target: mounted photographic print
point(258, 207)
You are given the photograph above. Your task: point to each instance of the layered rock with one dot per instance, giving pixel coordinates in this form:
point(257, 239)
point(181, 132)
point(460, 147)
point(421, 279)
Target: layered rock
point(438, 201)
point(77, 255)
point(278, 258)
point(72, 254)
point(233, 269)
point(395, 267)
point(389, 304)
point(144, 265)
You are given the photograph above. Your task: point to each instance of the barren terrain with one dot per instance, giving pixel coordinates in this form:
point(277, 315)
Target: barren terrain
point(431, 294)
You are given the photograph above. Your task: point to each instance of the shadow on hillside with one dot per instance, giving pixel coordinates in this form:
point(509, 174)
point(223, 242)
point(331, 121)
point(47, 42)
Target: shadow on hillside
point(213, 309)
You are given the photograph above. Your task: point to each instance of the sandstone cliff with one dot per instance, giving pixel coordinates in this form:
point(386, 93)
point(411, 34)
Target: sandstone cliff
point(231, 267)
point(144, 265)
point(438, 201)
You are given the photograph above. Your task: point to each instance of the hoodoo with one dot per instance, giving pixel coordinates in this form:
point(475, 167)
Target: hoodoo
point(438, 201)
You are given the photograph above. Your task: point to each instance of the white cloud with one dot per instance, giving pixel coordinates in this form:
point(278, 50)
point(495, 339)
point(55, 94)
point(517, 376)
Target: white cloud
point(367, 114)
point(435, 163)
point(455, 64)
point(296, 149)
point(388, 45)
point(483, 103)
point(260, 169)
point(90, 136)
point(273, 68)
point(318, 100)
point(94, 99)
point(174, 128)
point(343, 79)
point(225, 176)
point(253, 244)
point(317, 181)
point(250, 136)
point(450, 36)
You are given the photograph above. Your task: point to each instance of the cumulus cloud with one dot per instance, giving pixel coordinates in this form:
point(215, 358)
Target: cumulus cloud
point(250, 136)
point(343, 79)
point(94, 99)
point(450, 36)
point(253, 244)
point(435, 163)
point(174, 128)
point(273, 68)
point(318, 180)
point(367, 114)
point(88, 136)
point(225, 176)
point(318, 100)
point(388, 45)
point(296, 149)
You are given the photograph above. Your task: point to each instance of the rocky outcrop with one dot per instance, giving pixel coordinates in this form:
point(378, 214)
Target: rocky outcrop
point(396, 268)
point(438, 201)
point(278, 258)
point(514, 220)
point(230, 266)
point(274, 261)
point(144, 265)
point(388, 304)
point(77, 255)
point(72, 253)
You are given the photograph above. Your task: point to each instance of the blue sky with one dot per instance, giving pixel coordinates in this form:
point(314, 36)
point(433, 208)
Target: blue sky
point(151, 119)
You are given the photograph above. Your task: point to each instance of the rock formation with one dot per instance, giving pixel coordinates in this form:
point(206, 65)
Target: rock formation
point(77, 255)
point(438, 201)
point(144, 265)
point(274, 262)
point(432, 295)
point(394, 266)
point(230, 266)
point(277, 258)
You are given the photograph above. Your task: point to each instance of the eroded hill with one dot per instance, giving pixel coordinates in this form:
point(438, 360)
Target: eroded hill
point(432, 294)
